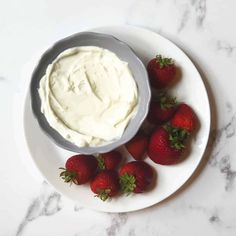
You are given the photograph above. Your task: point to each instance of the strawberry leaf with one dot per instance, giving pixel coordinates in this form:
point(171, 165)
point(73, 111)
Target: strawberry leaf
point(177, 136)
point(101, 163)
point(166, 101)
point(68, 176)
point(127, 183)
point(103, 194)
point(164, 61)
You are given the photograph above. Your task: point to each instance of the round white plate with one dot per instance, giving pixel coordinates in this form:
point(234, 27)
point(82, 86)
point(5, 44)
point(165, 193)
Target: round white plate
point(48, 157)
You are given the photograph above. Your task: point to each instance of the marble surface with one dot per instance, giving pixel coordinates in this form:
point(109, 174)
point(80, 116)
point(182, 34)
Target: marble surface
point(205, 30)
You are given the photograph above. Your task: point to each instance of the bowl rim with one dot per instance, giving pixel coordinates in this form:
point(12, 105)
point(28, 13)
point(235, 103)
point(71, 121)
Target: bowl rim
point(111, 145)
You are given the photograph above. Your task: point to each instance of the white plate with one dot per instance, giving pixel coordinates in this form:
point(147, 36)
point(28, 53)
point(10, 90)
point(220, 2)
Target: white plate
point(48, 157)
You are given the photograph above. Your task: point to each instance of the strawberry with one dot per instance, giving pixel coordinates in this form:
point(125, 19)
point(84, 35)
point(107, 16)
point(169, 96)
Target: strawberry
point(79, 169)
point(184, 118)
point(167, 144)
point(161, 71)
point(109, 161)
point(135, 176)
point(162, 110)
point(137, 146)
point(105, 184)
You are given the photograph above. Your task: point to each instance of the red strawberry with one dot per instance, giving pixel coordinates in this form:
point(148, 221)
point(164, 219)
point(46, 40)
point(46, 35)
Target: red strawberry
point(167, 144)
point(137, 146)
point(135, 176)
point(162, 110)
point(105, 184)
point(109, 161)
point(161, 71)
point(184, 118)
point(79, 169)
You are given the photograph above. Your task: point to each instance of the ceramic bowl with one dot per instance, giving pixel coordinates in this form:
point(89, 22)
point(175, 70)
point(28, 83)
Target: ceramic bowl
point(125, 53)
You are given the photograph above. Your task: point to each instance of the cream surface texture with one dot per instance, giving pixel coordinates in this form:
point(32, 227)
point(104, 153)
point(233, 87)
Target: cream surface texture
point(88, 95)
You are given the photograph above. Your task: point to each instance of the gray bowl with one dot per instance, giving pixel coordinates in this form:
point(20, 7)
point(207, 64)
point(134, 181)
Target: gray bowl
point(125, 53)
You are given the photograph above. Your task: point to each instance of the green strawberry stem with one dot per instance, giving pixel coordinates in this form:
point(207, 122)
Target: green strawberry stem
point(164, 61)
point(103, 194)
point(166, 101)
point(101, 163)
point(68, 176)
point(177, 136)
point(127, 183)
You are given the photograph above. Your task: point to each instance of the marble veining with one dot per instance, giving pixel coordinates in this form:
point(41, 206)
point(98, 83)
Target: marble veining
point(211, 214)
point(131, 232)
point(46, 204)
point(226, 170)
point(201, 10)
point(77, 208)
point(225, 47)
point(230, 128)
point(229, 107)
point(196, 9)
point(184, 19)
point(220, 139)
point(221, 136)
point(214, 219)
point(197, 208)
point(117, 221)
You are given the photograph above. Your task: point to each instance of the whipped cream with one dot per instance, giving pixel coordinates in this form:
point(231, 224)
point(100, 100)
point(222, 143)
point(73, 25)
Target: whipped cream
point(88, 95)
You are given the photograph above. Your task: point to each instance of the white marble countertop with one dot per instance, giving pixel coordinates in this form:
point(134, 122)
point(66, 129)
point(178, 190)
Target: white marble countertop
point(205, 30)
